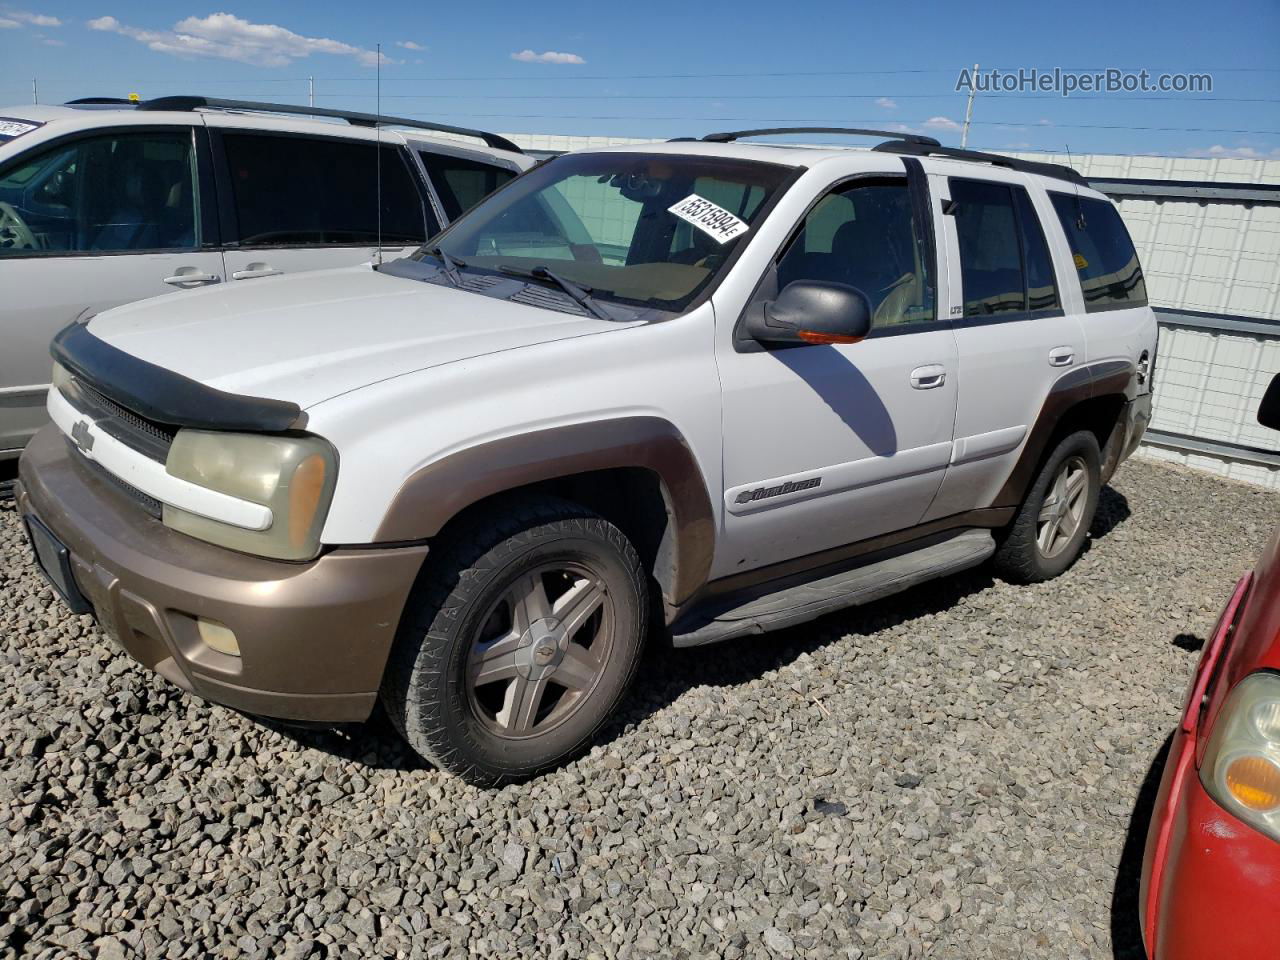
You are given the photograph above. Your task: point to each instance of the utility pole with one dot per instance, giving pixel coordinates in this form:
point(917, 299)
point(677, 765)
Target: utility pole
point(311, 91)
point(968, 110)
point(35, 91)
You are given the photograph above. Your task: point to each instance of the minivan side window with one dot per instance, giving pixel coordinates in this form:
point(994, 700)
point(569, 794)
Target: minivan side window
point(293, 191)
point(864, 234)
point(461, 184)
point(1004, 260)
point(113, 193)
point(1107, 264)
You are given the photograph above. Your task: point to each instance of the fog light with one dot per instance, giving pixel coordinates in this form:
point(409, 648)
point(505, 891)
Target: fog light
point(218, 636)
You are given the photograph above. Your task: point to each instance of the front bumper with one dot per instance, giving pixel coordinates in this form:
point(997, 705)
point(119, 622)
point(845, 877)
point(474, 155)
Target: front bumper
point(314, 637)
point(1209, 880)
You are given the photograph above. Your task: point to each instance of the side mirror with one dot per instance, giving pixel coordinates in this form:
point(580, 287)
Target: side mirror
point(813, 311)
point(1269, 408)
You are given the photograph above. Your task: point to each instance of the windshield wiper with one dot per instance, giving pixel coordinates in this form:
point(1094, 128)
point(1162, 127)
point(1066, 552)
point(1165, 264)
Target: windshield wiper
point(580, 294)
point(450, 265)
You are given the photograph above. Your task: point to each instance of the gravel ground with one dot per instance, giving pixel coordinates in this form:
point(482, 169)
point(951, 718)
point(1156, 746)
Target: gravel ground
point(960, 771)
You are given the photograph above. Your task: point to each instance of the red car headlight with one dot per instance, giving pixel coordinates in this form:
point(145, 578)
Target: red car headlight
point(1241, 768)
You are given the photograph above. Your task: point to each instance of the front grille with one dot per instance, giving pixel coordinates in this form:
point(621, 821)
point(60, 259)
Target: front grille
point(149, 504)
point(147, 437)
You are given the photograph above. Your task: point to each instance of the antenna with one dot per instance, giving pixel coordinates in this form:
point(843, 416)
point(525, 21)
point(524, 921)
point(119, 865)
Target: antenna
point(968, 109)
point(1080, 224)
point(378, 149)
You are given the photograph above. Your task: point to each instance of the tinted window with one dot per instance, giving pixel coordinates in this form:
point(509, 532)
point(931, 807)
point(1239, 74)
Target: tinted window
point(461, 184)
point(990, 250)
point(294, 191)
point(1105, 259)
point(130, 191)
point(864, 235)
point(1042, 290)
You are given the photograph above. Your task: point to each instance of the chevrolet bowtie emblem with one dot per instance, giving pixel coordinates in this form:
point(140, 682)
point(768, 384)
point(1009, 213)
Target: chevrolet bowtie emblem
point(81, 436)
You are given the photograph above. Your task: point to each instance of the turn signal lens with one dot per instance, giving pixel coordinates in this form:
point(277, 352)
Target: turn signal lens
point(305, 494)
point(812, 336)
point(1255, 782)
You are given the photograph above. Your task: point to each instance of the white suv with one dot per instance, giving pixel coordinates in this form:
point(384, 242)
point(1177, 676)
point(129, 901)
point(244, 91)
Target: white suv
point(106, 202)
point(703, 389)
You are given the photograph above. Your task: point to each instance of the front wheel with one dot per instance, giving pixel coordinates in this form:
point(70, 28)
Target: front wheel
point(1049, 530)
point(519, 642)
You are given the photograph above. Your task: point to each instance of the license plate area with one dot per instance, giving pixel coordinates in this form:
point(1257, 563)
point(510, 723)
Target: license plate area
point(54, 561)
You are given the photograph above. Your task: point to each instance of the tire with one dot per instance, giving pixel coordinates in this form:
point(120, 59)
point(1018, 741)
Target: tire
point(1029, 552)
point(484, 680)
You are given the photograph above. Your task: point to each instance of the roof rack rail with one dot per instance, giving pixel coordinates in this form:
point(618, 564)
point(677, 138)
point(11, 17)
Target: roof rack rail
point(1056, 170)
point(844, 131)
point(90, 101)
point(185, 103)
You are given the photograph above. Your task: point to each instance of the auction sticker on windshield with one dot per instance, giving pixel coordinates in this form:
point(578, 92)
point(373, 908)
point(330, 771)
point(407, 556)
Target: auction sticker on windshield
point(715, 221)
point(9, 127)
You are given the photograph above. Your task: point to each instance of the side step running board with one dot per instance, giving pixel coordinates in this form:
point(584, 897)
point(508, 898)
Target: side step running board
point(848, 588)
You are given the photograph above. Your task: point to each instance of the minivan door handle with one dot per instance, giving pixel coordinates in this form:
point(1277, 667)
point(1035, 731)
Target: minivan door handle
point(929, 376)
point(189, 275)
point(1062, 356)
point(255, 270)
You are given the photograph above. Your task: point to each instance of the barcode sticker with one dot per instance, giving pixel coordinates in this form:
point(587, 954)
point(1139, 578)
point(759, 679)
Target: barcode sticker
point(715, 221)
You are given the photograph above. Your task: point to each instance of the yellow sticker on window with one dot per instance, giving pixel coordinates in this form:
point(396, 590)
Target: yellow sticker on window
point(1081, 262)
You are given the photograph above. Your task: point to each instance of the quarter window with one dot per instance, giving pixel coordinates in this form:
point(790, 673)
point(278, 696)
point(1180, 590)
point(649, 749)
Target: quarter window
point(105, 194)
point(461, 184)
point(1107, 264)
point(864, 235)
point(304, 191)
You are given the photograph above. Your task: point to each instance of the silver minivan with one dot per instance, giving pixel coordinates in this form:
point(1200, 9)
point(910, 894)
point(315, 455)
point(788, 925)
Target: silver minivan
point(103, 202)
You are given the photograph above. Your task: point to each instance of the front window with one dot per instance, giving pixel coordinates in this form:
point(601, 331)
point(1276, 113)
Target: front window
point(649, 230)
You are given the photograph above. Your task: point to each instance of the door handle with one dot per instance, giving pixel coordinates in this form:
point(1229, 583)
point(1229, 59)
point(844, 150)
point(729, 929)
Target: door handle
point(1062, 356)
point(193, 275)
point(255, 270)
point(929, 376)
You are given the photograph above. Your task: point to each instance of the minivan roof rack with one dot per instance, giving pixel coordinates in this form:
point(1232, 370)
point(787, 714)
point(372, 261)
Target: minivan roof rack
point(185, 103)
point(1056, 170)
point(91, 101)
point(842, 131)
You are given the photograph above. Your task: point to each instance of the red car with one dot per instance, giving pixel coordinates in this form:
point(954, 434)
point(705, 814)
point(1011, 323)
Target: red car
point(1211, 873)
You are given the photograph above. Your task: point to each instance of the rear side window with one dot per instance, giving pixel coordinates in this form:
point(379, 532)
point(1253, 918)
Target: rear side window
point(1004, 260)
point(460, 183)
point(303, 191)
point(1107, 264)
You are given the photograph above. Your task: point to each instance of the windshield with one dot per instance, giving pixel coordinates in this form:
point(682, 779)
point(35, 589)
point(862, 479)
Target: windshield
point(650, 230)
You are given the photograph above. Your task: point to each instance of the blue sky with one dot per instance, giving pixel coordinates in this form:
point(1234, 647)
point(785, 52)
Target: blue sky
point(676, 69)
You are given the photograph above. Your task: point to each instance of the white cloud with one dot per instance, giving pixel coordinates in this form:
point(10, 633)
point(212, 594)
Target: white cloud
point(225, 36)
point(7, 24)
point(548, 56)
point(941, 123)
point(35, 19)
point(887, 103)
point(410, 45)
point(1236, 153)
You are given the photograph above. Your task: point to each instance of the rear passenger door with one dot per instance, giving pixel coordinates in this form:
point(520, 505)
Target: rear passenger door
point(292, 202)
point(1014, 335)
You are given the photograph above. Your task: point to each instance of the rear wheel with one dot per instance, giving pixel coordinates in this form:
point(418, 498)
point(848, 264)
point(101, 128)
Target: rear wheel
point(1050, 528)
point(519, 641)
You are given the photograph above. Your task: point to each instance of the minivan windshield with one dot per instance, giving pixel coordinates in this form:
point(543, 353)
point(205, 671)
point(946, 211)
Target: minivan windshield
point(650, 230)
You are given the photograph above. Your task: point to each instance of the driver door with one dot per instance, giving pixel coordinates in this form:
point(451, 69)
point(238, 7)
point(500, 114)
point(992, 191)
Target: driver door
point(90, 223)
point(827, 445)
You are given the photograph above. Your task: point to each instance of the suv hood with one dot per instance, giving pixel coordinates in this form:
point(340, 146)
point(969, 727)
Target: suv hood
point(306, 337)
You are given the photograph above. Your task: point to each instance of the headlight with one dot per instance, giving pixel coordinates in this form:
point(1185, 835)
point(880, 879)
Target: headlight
point(1241, 768)
point(294, 476)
